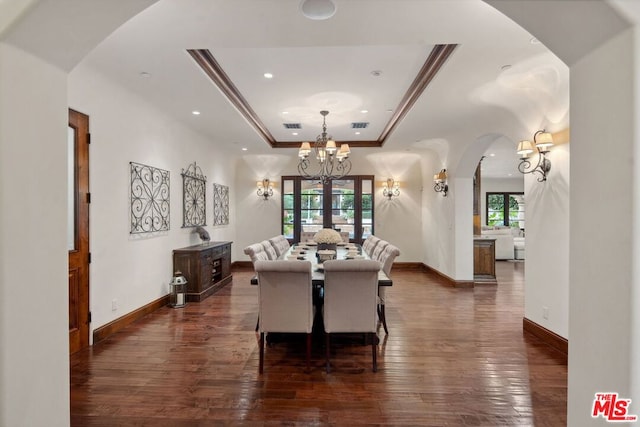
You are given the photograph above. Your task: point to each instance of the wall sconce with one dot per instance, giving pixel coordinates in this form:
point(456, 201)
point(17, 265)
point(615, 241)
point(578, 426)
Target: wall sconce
point(265, 188)
point(390, 188)
point(440, 180)
point(542, 140)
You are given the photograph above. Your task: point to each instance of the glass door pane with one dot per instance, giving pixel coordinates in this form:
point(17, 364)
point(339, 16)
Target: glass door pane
point(495, 209)
point(516, 211)
point(71, 189)
point(288, 208)
point(367, 208)
point(343, 205)
point(311, 206)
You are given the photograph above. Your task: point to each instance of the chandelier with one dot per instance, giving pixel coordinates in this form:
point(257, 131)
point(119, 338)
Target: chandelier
point(332, 162)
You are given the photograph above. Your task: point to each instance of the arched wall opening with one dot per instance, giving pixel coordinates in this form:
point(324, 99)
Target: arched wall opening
point(461, 178)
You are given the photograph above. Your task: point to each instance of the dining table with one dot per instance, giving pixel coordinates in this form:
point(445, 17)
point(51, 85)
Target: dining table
point(309, 251)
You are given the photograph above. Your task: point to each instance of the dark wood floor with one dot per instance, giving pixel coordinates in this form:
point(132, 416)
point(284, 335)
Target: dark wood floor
point(453, 357)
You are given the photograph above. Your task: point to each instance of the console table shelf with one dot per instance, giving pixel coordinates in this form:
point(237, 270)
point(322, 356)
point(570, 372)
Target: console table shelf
point(207, 268)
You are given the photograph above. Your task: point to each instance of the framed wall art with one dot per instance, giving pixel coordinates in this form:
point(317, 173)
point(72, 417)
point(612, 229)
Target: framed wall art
point(220, 204)
point(149, 197)
point(194, 200)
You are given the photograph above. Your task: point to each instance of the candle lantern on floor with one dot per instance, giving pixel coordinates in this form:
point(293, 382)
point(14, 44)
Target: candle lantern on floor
point(178, 290)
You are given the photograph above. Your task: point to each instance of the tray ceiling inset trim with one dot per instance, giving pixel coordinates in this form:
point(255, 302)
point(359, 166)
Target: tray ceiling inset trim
point(434, 62)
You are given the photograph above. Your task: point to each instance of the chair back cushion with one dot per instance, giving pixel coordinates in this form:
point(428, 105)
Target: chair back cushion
point(378, 250)
point(269, 249)
point(285, 296)
point(350, 295)
point(368, 243)
point(256, 252)
point(388, 256)
point(305, 236)
point(280, 244)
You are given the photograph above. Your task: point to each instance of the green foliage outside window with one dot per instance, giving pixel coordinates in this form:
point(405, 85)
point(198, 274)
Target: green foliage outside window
point(499, 213)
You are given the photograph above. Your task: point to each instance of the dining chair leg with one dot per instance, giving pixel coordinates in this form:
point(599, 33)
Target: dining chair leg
point(261, 363)
point(374, 352)
point(383, 317)
point(327, 347)
point(258, 324)
point(308, 352)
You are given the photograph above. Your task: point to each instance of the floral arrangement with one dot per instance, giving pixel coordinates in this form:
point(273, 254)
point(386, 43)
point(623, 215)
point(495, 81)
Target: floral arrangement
point(327, 235)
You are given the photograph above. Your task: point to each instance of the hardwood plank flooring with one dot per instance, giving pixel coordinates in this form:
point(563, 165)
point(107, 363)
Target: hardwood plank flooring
point(453, 357)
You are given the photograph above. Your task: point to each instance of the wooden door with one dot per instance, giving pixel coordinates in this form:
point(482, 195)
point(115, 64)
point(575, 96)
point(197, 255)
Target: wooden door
point(78, 230)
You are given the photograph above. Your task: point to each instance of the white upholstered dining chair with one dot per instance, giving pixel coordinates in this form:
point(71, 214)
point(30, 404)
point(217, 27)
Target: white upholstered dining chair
point(350, 300)
point(369, 243)
point(285, 301)
point(386, 258)
point(269, 249)
point(256, 252)
point(280, 244)
point(306, 236)
point(378, 250)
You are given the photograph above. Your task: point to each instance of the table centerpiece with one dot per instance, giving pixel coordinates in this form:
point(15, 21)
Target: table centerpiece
point(327, 239)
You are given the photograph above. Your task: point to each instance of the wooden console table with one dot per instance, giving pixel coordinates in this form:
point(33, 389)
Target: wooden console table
point(484, 260)
point(207, 268)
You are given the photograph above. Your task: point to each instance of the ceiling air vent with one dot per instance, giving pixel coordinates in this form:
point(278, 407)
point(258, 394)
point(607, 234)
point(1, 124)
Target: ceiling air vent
point(292, 125)
point(359, 125)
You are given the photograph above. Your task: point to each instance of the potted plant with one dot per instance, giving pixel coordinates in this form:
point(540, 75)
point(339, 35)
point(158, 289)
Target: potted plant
point(327, 239)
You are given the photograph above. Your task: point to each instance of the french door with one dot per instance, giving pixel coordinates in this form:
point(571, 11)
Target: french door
point(342, 204)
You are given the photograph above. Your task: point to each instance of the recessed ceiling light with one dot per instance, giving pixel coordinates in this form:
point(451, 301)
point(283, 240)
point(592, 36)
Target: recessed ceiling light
point(268, 75)
point(389, 111)
point(318, 9)
point(195, 113)
point(510, 174)
point(364, 111)
point(492, 155)
point(244, 148)
point(357, 133)
point(285, 112)
point(294, 133)
point(145, 74)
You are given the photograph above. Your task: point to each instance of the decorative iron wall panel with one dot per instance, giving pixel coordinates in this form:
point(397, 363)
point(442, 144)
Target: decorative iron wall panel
point(220, 204)
point(149, 199)
point(194, 201)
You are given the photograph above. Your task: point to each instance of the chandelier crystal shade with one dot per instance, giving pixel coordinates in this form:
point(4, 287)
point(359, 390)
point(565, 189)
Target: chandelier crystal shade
point(331, 162)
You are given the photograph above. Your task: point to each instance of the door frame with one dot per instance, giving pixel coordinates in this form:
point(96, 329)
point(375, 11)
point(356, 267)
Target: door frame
point(80, 257)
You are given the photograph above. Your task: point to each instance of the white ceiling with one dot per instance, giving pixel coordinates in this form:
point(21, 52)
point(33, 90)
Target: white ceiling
point(496, 80)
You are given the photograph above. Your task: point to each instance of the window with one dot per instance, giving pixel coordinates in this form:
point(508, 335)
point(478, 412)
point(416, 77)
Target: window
point(343, 204)
point(505, 209)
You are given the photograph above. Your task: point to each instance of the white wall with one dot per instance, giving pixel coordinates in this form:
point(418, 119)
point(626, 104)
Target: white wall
point(34, 338)
point(259, 219)
point(602, 220)
point(437, 220)
point(135, 269)
point(547, 244)
point(496, 185)
point(398, 221)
